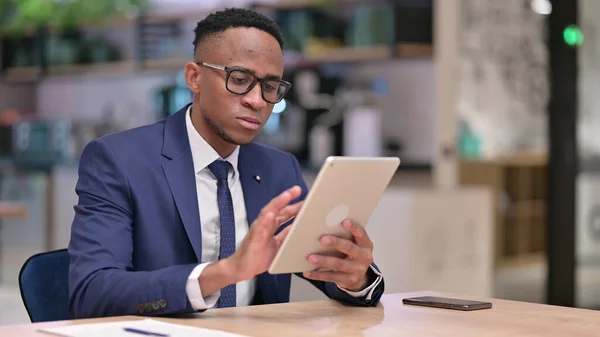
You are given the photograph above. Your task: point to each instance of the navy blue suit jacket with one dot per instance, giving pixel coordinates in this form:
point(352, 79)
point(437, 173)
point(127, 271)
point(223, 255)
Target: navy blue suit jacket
point(136, 234)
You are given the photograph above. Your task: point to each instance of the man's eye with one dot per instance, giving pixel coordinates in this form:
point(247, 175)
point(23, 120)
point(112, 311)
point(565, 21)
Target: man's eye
point(239, 80)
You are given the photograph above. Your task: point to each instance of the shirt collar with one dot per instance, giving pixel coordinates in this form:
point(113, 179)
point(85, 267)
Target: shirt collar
point(202, 153)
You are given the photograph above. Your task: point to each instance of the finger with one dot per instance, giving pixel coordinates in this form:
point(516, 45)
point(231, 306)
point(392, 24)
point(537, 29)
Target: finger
point(279, 238)
point(289, 212)
point(358, 232)
point(349, 248)
point(341, 279)
point(281, 201)
point(336, 264)
point(263, 227)
point(267, 227)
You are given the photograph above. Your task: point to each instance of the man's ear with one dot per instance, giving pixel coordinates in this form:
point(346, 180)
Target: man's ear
point(192, 76)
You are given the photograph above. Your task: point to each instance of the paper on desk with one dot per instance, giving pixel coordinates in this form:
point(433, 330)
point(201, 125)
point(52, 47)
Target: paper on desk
point(116, 329)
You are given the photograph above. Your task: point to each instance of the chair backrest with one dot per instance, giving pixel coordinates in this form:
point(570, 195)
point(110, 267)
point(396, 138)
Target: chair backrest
point(44, 285)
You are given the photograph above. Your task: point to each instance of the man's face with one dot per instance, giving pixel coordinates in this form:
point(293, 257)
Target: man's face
point(236, 118)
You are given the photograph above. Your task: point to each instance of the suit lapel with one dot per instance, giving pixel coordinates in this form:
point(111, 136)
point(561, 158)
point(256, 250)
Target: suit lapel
point(256, 196)
point(254, 190)
point(179, 171)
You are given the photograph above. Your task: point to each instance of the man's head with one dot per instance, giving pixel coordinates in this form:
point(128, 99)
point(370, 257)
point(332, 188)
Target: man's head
point(230, 47)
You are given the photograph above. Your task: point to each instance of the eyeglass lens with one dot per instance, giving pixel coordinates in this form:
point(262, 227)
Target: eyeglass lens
point(239, 82)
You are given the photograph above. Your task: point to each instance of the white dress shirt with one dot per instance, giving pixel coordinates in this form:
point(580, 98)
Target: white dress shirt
point(203, 155)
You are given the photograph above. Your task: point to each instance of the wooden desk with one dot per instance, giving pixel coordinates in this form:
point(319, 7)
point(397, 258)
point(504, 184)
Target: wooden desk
point(391, 318)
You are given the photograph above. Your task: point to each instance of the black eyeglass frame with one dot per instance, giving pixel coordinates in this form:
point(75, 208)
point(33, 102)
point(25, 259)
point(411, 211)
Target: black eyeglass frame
point(257, 79)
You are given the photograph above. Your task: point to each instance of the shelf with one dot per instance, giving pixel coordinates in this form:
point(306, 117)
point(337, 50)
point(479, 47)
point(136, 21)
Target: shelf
point(360, 54)
point(410, 27)
point(336, 55)
point(120, 20)
point(114, 21)
point(167, 64)
point(526, 209)
point(159, 17)
point(22, 75)
point(521, 159)
point(33, 74)
point(347, 54)
point(414, 50)
point(149, 25)
point(522, 260)
point(92, 69)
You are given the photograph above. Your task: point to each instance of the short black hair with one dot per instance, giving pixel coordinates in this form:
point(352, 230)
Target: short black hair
point(220, 21)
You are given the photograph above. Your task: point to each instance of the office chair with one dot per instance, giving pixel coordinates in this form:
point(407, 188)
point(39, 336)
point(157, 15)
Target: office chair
point(43, 281)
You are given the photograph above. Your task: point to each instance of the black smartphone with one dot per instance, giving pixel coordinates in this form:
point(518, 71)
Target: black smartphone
point(447, 303)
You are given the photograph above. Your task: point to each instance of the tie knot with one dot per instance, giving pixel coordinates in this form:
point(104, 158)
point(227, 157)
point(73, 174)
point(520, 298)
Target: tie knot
point(220, 168)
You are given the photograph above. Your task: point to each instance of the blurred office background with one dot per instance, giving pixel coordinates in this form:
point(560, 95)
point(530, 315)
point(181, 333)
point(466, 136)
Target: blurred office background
point(492, 106)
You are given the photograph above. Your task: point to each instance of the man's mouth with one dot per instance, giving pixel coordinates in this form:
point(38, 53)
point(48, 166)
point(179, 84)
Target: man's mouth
point(249, 122)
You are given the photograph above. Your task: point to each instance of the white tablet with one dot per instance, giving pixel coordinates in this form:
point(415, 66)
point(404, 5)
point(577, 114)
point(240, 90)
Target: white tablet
point(345, 188)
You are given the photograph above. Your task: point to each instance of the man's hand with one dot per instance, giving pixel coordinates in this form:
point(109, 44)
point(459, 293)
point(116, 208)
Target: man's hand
point(259, 247)
point(348, 273)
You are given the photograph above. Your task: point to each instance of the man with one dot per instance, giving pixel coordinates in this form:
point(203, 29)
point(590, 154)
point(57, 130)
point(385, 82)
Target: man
point(186, 214)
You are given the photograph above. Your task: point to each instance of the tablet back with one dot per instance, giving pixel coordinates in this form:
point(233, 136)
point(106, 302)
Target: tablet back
point(345, 188)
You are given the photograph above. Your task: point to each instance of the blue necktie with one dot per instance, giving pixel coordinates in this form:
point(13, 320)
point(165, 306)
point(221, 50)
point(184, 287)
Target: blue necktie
point(220, 169)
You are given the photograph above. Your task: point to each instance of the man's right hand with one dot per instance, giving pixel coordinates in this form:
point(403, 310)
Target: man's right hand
point(258, 249)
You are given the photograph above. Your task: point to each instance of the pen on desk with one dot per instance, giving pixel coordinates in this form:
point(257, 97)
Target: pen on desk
point(145, 333)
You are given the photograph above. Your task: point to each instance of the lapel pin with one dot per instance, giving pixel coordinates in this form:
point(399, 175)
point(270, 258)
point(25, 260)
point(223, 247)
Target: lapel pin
point(257, 178)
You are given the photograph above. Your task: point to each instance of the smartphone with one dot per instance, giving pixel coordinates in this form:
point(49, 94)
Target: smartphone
point(447, 303)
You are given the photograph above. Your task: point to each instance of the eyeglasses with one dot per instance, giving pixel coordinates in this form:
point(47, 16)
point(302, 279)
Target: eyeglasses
point(241, 81)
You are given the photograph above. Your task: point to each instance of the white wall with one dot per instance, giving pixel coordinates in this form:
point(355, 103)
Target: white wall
point(409, 107)
point(87, 98)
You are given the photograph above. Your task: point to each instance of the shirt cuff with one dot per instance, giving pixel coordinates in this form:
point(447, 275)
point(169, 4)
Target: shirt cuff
point(194, 293)
point(368, 291)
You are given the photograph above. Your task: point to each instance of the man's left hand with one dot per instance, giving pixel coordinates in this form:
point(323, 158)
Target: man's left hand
point(350, 272)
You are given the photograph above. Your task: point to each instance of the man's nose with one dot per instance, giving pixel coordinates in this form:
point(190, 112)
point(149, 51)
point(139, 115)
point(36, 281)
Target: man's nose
point(254, 98)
